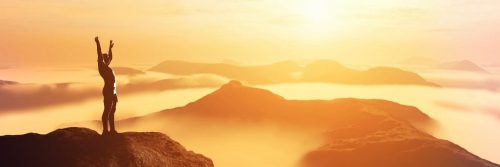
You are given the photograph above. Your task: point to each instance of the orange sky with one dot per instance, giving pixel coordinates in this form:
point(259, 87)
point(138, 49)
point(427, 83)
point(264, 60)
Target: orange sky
point(59, 32)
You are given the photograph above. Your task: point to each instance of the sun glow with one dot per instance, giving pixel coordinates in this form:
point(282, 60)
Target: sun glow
point(319, 18)
point(316, 11)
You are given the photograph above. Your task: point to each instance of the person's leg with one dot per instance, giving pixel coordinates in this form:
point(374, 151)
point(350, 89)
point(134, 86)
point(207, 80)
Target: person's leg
point(105, 115)
point(112, 115)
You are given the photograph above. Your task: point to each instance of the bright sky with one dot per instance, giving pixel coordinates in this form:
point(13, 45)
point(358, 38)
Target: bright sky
point(55, 32)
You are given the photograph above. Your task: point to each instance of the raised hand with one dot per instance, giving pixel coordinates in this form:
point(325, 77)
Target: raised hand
point(111, 44)
point(99, 53)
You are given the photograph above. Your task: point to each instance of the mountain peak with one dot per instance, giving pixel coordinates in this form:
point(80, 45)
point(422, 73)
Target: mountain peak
point(234, 95)
point(236, 90)
point(466, 61)
point(467, 64)
point(464, 65)
point(85, 147)
point(232, 84)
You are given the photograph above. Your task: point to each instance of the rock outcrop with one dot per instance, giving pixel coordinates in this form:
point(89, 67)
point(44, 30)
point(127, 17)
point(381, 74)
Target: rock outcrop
point(85, 147)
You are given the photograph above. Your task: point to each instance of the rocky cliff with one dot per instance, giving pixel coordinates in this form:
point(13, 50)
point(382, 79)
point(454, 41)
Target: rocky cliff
point(85, 147)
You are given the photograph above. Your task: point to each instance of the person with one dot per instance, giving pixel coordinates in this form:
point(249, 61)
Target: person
point(109, 90)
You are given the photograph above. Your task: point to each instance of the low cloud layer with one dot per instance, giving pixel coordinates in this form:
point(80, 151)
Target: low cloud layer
point(464, 79)
point(28, 96)
point(23, 96)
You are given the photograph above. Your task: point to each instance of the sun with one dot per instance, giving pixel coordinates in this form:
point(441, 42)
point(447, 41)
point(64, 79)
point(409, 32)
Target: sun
point(318, 18)
point(316, 11)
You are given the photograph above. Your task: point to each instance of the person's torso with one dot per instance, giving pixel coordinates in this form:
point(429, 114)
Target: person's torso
point(109, 79)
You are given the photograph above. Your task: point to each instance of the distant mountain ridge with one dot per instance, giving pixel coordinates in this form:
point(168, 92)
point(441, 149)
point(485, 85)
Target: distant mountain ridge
point(273, 73)
point(127, 71)
point(242, 101)
point(463, 65)
point(289, 72)
point(457, 65)
point(331, 71)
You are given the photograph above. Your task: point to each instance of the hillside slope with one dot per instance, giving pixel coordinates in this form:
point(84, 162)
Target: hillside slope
point(353, 132)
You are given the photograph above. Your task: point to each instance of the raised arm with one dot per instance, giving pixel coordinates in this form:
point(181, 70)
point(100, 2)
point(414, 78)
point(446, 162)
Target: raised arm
point(110, 52)
point(99, 52)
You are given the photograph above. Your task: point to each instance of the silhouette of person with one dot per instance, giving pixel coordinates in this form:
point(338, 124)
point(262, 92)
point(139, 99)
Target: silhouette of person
point(109, 90)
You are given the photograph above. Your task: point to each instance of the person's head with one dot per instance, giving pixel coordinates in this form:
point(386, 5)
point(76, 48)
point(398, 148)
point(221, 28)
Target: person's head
point(106, 57)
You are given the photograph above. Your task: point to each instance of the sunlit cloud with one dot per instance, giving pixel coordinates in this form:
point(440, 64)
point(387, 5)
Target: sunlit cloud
point(452, 106)
point(28, 96)
point(19, 97)
point(464, 79)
